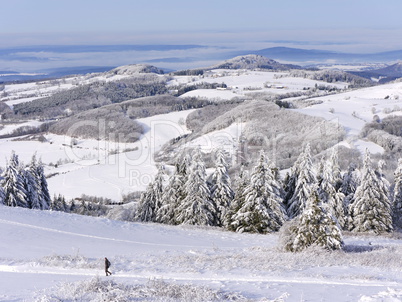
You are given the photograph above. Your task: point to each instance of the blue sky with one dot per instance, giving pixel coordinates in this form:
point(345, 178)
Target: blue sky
point(356, 26)
point(131, 21)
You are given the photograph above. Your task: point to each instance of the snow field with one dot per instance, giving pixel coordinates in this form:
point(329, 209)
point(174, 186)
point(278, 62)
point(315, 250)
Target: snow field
point(243, 82)
point(43, 248)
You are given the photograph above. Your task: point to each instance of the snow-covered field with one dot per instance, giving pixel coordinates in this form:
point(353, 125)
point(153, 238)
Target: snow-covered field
point(41, 251)
point(242, 82)
point(354, 109)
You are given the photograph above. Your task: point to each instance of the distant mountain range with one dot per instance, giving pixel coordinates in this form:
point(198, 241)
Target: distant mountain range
point(321, 56)
point(268, 59)
point(13, 76)
point(382, 75)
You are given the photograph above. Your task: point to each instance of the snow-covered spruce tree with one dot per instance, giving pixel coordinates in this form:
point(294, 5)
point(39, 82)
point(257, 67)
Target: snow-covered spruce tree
point(305, 178)
point(197, 207)
point(315, 226)
point(289, 183)
point(59, 204)
point(33, 185)
point(336, 170)
point(221, 190)
point(172, 197)
point(329, 196)
point(263, 210)
point(13, 184)
point(397, 200)
point(151, 199)
point(371, 209)
point(44, 195)
point(2, 195)
point(242, 182)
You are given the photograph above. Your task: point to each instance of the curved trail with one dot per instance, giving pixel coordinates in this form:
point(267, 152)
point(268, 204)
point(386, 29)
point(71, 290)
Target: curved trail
point(193, 277)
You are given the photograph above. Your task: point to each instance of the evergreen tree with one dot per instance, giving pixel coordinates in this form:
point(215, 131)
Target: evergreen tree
point(397, 200)
point(315, 226)
point(304, 180)
point(350, 182)
point(329, 196)
point(172, 197)
point(59, 204)
point(263, 210)
point(336, 170)
point(33, 185)
point(44, 196)
point(151, 199)
point(221, 190)
point(13, 184)
point(238, 200)
point(371, 209)
point(2, 195)
point(289, 183)
point(197, 207)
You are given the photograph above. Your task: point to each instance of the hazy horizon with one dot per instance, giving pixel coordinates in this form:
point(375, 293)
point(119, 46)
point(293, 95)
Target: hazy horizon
point(224, 26)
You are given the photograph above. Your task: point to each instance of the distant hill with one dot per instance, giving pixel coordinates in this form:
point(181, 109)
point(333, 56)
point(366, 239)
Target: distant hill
point(250, 61)
point(314, 55)
point(136, 68)
point(253, 61)
point(383, 75)
point(13, 76)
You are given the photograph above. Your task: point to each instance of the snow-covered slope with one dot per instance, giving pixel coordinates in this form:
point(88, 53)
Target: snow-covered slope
point(40, 249)
point(354, 109)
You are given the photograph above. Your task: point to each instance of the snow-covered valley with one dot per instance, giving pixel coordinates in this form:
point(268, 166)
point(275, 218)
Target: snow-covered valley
point(56, 256)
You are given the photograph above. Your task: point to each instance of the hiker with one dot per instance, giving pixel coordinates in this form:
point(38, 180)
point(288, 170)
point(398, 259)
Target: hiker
point(107, 265)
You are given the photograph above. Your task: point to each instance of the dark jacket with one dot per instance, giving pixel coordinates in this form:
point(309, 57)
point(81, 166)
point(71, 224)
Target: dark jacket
point(107, 263)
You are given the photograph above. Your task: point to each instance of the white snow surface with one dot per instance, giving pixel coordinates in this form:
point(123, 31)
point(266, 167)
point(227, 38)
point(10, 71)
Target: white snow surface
point(354, 109)
point(41, 249)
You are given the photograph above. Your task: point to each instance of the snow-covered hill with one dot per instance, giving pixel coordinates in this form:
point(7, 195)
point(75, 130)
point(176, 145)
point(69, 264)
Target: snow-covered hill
point(42, 250)
point(253, 62)
point(354, 109)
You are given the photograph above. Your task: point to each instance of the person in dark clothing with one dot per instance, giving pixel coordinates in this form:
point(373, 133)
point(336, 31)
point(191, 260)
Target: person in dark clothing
point(107, 265)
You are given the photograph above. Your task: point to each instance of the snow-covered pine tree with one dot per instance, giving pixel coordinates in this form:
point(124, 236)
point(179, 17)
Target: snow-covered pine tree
point(242, 182)
point(336, 169)
point(221, 190)
point(289, 183)
point(13, 184)
point(2, 195)
point(305, 178)
point(33, 186)
point(329, 196)
point(44, 195)
point(263, 210)
point(371, 209)
point(171, 198)
point(314, 227)
point(397, 200)
point(59, 204)
point(350, 182)
point(150, 200)
point(197, 207)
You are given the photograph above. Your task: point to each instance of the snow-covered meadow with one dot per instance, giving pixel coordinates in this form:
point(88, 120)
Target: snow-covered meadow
point(51, 255)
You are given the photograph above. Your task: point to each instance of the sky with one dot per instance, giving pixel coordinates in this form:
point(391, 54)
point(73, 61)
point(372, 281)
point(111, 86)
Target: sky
point(359, 26)
point(124, 21)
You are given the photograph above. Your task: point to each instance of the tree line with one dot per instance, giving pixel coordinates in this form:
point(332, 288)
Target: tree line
point(314, 203)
